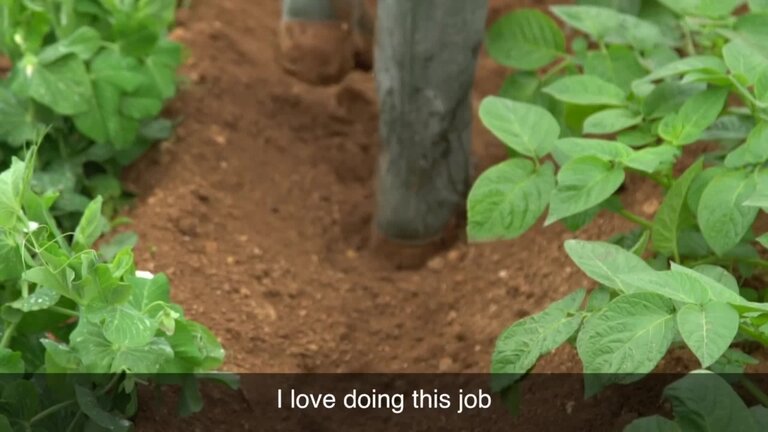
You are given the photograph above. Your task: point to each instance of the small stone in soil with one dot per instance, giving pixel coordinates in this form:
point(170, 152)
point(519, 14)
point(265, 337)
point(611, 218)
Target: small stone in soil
point(436, 263)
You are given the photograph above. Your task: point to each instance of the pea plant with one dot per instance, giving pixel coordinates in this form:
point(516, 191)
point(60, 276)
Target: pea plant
point(95, 74)
point(81, 329)
point(673, 91)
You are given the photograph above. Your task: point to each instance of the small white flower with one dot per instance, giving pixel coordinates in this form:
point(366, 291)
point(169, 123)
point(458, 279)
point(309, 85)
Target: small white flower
point(29, 69)
point(32, 227)
point(144, 274)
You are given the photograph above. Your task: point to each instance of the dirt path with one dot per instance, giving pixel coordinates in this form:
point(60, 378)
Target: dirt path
point(259, 211)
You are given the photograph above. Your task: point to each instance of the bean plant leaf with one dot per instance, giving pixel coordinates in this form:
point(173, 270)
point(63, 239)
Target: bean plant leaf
point(11, 362)
point(668, 97)
point(704, 401)
point(89, 404)
point(683, 66)
point(41, 299)
point(84, 43)
point(63, 85)
point(758, 5)
point(753, 152)
point(719, 275)
point(611, 121)
point(525, 39)
point(520, 346)
point(583, 183)
point(507, 199)
point(586, 90)
point(695, 116)
point(145, 358)
point(666, 223)
point(706, 8)
point(618, 65)
point(525, 128)
point(708, 330)
point(567, 149)
point(627, 339)
point(722, 217)
point(611, 26)
point(605, 262)
point(652, 424)
point(91, 226)
point(745, 60)
point(653, 159)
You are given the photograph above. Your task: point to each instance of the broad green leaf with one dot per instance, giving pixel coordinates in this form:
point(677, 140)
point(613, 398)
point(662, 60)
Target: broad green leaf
point(605, 262)
point(763, 240)
point(60, 281)
point(618, 65)
point(140, 108)
point(11, 184)
point(521, 86)
point(41, 299)
point(17, 124)
point(745, 60)
point(147, 292)
point(11, 264)
point(5, 425)
point(145, 359)
point(111, 67)
point(695, 116)
point(611, 26)
point(196, 344)
point(567, 149)
point(162, 65)
point(526, 39)
point(707, 8)
point(84, 43)
point(652, 424)
point(718, 274)
point(582, 184)
point(63, 85)
point(668, 97)
point(89, 404)
point(520, 346)
point(700, 183)
point(611, 121)
point(103, 121)
point(525, 128)
point(62, 355)
point(586, 90)
point(91, 226)
point(722, 217)
point(685, 65)
point(120, 242)
point(666, 223)
point(760, 414)
point(127, 327)
point(95, 351)
point(703, 401)
point(507, 199)
point(729, 127)
point(653, 159)
point(598, 299)
point(11, 362)
point(753, 152)
point(708, 330)
point(627, 339)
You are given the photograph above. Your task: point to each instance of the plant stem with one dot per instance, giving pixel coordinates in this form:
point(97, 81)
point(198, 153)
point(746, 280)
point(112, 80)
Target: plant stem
point(755, 391)
point(10, 330)
point(556, 69)
point(645, 223)
point(689, 45)
point(64, 311)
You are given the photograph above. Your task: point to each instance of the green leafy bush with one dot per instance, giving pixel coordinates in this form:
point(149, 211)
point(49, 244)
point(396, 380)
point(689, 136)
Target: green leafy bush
point(631, 94)
point(96, 73)
point(80, 329)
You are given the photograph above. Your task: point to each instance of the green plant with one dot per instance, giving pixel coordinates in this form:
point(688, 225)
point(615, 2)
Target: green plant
point(640, 91)
point(80, 330)
point(96, 74)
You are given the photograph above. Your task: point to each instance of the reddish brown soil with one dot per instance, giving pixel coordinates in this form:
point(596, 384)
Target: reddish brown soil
point(260, 208)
